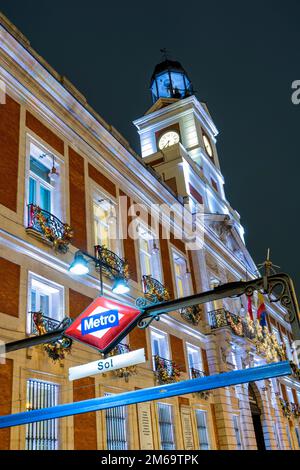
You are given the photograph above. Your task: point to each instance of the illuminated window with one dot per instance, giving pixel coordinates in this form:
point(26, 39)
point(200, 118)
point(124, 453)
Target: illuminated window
point(182, 275)
point(41, 190)
point(149, 255)
point(201, 418)
point(288, 348)
point(105, 222)
point(237, 430)
point(116, 427)
point(166, 426)
point(194, 358)
point(44, 434)
point(46, 297)
point(159, 343)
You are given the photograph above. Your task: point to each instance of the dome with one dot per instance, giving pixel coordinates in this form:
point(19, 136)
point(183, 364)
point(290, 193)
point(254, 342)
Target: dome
point(170, 80)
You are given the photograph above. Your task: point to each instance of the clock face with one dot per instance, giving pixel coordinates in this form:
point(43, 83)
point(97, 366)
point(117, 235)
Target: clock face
point(207, 145)
point(168, 139)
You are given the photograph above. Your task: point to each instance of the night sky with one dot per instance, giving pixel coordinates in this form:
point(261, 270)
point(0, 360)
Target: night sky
point(242, 58)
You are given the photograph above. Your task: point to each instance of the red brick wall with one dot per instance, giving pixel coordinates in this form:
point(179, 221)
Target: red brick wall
point(166, 263)
point(6, 380)
point(137, 340)
point(9, 287)
point(78, 303)
point(9, 152)
point(77, 199)
point(85, 427)
point(129, 245)
point(44, 133)
point(102, 180)
point(177, 349)
point(205, 362)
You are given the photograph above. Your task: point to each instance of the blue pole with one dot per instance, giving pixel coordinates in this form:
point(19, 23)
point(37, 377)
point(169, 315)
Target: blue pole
point(147, 394)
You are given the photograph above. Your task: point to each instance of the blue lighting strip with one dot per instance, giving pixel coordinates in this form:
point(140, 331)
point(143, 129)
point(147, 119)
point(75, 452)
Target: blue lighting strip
point(147, 394)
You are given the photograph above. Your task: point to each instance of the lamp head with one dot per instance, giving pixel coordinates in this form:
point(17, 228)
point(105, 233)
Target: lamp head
point(120, 286)
point(79, 265)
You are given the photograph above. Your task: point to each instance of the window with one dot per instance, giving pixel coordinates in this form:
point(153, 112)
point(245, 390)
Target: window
point(214, 184)
point(182, 275)
point(297, 435)
point(288, 432)
point(166, 426)
point(105, 223)
point(201, 419)
point(42, 435)
point(159, 344)
point(277, 435)
point(194, 358)
point(45, 297)
point(116, 427)
point(277, 334)
point(40, 189)
point(288, 348)
point(236, 425)
point(290, 394)
point(149, 255)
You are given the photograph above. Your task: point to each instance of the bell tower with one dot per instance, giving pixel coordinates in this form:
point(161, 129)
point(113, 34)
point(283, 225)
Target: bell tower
point(178, 140)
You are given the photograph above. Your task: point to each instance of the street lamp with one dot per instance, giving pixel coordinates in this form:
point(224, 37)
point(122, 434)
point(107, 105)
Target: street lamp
point(80, 266)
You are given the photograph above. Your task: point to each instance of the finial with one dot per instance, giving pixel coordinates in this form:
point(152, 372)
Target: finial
point(268, 265)
point(165, 53)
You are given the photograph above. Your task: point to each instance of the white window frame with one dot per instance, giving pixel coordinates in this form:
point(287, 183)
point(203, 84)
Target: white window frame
point(112, 412)
point(237, 431)
point(288, 347)
point(205, 414)
point(185, 278)
point(171, 432)
point(195, 351)
point(162, 338)
point(49, 285)
point(154, 258)
point(109, 204)
point(36, 433)
point(35, 148)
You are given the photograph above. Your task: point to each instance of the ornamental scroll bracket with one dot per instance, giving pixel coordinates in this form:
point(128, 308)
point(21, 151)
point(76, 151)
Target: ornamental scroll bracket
point(278, 287)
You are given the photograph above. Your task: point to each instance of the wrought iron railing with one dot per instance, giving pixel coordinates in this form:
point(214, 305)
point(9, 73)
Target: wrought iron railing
point(165, 371)
point(196, 373)
point(191, 314)
point(266, 343)
point(124, 372)
point(154, 290)
point(50, 227)
point(38, 321)
point(289, 409)
point(42, 324)
point(112, 265)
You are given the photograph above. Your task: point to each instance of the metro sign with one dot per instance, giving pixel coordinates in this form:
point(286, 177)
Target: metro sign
point(103, 324)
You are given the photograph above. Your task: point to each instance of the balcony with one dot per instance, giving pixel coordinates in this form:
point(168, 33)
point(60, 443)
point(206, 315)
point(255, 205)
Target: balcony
point(266, 343)
point(48, 228)
point(112, 265)
point(191, 314)
point(124, 372)
point(289, 409)
point(198, 374)
point(165, 371)
point(154, 290)
point(41, 324)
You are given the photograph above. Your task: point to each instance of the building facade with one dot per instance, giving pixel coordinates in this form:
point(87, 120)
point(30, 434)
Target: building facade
point(63, 171)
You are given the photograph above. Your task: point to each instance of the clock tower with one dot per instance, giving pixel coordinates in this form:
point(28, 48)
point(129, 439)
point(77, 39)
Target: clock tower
point(178, 140)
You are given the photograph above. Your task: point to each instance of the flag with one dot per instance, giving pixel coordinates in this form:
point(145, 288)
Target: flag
point(250, 312)
point(261, 311)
